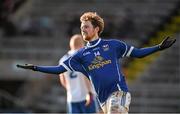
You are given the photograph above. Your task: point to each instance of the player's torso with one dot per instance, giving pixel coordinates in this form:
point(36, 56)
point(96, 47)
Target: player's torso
point(101, 62)
point(99, 58)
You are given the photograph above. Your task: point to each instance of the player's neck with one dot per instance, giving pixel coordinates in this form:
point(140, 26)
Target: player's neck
point(94, 38)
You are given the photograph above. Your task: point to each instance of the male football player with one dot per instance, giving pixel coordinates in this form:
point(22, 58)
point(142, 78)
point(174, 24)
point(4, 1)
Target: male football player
point(99, 61)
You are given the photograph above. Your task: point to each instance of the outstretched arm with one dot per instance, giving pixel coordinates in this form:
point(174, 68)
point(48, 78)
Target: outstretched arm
point(46, 69)
point(142, 52)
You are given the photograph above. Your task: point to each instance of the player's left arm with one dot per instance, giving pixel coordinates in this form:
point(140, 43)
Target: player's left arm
point(62, 80)
point(142, 52)
point(90, 95)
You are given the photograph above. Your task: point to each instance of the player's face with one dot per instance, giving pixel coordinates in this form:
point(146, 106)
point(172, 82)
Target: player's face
point(88, 31)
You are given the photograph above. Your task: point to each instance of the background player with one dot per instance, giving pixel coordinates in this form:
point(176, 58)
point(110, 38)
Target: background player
point(99, 61)
point(80, 94)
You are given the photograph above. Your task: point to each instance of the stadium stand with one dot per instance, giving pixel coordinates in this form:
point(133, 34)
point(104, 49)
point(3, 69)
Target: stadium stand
point(36, 92)
point(155, 85)
point(157, 89)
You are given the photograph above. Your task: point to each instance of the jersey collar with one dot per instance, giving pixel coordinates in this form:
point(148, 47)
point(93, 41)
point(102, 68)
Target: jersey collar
point(93, 43)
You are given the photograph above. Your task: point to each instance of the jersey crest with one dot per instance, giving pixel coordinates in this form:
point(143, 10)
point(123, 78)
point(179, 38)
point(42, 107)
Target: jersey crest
point(105, 47)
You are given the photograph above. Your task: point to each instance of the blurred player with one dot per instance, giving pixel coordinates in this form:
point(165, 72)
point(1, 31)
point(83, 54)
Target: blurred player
point(99, 60)
point(80, 95)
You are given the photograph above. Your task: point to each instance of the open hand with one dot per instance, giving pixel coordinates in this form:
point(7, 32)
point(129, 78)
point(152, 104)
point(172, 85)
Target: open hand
point(166, 43)
point(26, 66)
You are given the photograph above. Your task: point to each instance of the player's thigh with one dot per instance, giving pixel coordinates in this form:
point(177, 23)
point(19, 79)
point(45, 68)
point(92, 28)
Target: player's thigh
point(117, 102)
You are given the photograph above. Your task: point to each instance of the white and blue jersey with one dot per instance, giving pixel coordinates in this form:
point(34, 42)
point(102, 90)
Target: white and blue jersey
point(99, 61)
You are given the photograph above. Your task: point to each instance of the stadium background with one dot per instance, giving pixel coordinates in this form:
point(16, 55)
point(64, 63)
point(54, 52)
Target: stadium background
point(38, 31)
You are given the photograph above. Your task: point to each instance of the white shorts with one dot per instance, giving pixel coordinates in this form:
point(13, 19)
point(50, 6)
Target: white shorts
point(118, 102)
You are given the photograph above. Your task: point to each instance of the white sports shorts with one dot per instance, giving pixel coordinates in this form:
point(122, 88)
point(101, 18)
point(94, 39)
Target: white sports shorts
point(118, 102)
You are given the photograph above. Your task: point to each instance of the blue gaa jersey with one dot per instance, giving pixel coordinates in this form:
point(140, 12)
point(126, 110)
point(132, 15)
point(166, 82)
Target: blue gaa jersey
point(99, 61)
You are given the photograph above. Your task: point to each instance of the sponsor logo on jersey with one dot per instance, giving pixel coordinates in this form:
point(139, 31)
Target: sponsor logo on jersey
point(98, 62)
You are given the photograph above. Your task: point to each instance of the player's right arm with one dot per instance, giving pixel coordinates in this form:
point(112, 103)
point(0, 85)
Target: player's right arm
point(45, 69)
point(71, 64)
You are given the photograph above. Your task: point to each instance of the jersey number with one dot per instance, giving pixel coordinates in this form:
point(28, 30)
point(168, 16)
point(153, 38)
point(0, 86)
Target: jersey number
point(96, 53)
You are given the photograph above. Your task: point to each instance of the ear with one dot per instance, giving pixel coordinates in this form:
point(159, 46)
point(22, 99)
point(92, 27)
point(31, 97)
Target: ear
point(97, 29)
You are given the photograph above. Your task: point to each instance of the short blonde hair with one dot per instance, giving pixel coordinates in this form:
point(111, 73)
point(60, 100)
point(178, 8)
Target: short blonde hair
point(76, 42)
point(95, 20)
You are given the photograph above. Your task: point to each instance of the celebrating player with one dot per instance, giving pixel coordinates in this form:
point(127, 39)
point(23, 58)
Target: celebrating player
point(80, 94)
point(99, 61)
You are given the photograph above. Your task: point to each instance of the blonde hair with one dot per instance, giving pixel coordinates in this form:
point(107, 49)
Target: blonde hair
point(95, 20)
